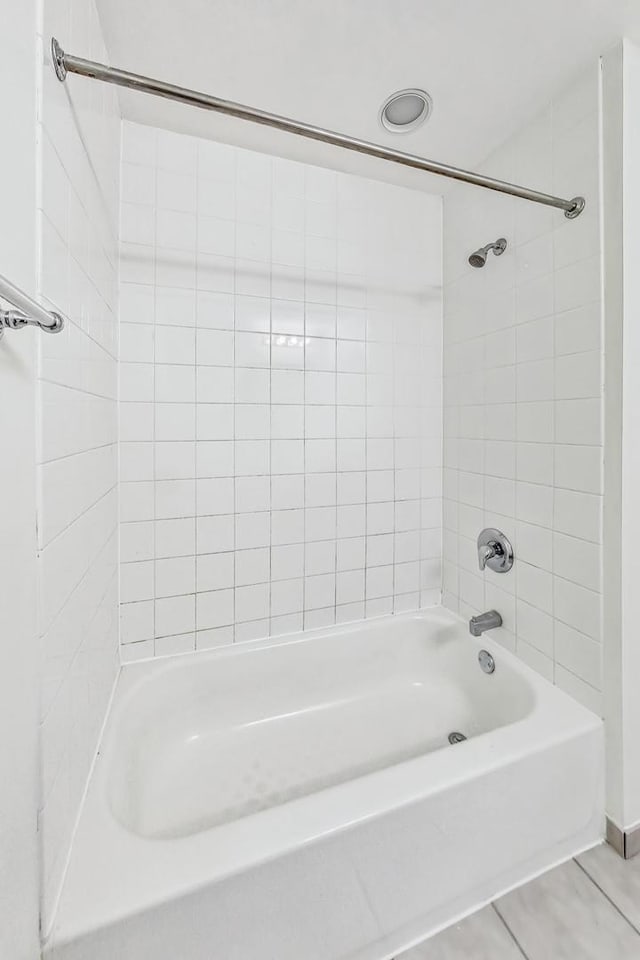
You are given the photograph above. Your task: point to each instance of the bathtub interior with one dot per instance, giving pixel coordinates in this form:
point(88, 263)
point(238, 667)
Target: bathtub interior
point(204, 741)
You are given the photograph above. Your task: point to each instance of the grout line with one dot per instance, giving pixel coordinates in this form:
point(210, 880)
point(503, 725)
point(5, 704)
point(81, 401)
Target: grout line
point(509, 931)
point(606, 896)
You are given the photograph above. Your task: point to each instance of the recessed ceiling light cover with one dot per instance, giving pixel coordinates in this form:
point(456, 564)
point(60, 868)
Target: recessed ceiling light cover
point(405, 110)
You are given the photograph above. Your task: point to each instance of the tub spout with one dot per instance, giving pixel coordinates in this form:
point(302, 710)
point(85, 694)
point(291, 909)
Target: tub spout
point(484, 621)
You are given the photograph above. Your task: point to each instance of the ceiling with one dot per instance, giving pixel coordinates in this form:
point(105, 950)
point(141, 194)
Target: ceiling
point(488, 66)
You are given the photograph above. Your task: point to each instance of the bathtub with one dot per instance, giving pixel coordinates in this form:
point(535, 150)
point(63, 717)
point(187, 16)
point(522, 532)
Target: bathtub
point(299, 799)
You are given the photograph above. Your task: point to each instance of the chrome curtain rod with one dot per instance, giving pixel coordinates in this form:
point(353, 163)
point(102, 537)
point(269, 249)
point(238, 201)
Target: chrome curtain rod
point(29, 312)
point(65, 63)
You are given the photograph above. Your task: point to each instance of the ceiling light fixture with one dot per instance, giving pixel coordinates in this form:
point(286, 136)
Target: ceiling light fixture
point(405, 110)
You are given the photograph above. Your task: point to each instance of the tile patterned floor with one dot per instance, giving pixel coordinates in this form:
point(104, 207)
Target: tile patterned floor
point(586, 909)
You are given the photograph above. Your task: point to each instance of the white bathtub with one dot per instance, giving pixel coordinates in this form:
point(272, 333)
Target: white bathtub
point(298, 799)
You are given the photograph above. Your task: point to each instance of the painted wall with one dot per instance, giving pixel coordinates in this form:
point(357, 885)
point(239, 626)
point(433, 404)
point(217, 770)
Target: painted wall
point(79, 144)
point(523, 396)
point(621, 155)
point(19, 875)
point(280, 394)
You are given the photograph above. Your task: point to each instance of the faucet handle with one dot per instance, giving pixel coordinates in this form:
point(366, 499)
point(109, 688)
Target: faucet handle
point(486, 552)
point(494, 551)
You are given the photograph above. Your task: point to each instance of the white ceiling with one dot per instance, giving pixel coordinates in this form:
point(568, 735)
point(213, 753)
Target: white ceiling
point(488, 64)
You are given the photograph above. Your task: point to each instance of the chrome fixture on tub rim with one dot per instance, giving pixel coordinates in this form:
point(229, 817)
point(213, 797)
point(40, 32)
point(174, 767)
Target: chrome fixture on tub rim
point(486, 661)
point(484, 621)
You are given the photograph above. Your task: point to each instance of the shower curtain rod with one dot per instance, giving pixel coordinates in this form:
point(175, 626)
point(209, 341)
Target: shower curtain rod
point(65, 63)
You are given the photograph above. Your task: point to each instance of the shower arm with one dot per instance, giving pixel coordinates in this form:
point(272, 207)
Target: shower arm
point(65, 63)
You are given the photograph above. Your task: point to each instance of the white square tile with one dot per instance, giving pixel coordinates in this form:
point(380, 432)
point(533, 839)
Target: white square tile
point(175, 538)
point(252, 349)
point(252, 566)
point(175, 460)
point(252, 530)
point(320, 557)
point(252, 494)
point(253, 314)
point(174, 615)
point(287, 562)
point(252, 602)
point(214, 609)
point(349, 586)
point(136, 621)
point(320, 523)
point(252, 457)
point(215, 496)
point(175, 421)
point(252, 385)
point(287, 526)
point(175, 576)
point(577, 607)
point(215, 458)
point(215, 421)
point(287, 421)
point(136, 581)
point(136, 541)
point(287, 456)
point(176, 230)
point(215, 385)
point(175, 644)
point(252, 421)
point(319, 387)
point(214, 348)
point(215, 534)
point(319, 591)
point(214, 571)
point(174, 499)
point(136, 343)
point(286, 597)
point(214, 311)
point(174, 384)
point(287, 492)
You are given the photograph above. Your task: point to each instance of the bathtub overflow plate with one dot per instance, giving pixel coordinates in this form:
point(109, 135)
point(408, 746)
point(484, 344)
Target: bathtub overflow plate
point(456, 737)
point(486, 661)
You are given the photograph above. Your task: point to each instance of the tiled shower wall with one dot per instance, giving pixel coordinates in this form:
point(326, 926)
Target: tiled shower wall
point(79, 163)
point(280, 392)
point(523, 395)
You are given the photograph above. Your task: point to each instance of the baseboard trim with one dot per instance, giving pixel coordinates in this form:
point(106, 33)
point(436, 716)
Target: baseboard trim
point(624, 842)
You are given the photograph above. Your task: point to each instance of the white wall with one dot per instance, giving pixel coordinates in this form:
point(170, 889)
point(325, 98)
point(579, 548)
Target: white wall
point(280, 395)
point(523, 395)
point(79, 144)
point(18, 677)
point(621, 139)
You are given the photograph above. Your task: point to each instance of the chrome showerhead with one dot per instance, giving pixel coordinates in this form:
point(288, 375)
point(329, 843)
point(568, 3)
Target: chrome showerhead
point(479, 257)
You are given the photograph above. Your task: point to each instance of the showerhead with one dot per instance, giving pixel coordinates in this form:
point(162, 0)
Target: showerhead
point(479, 257)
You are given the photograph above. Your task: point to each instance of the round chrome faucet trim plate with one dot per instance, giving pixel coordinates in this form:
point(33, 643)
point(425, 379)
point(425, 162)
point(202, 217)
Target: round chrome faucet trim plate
point(495, 551)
